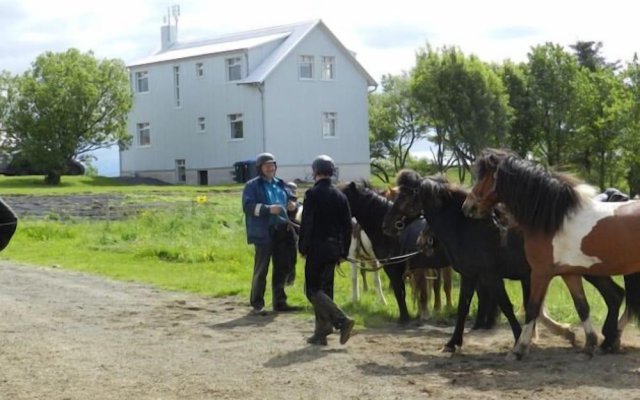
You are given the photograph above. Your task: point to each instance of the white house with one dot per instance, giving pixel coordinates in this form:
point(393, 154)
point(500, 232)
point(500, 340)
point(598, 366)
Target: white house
point(201, 107)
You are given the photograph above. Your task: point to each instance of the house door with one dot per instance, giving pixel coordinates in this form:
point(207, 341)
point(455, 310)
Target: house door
point(181, 171)
point(203, 177)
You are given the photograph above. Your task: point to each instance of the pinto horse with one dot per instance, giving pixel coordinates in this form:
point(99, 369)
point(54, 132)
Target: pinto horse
point(369, 209)
point(566, 232)
point(477, 250)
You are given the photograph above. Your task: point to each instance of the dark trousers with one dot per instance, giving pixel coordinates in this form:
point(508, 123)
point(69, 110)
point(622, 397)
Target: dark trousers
point(278, 251)
point(319, 276)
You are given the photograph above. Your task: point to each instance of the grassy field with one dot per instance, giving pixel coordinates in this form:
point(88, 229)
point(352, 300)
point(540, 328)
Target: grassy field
point(194, 241)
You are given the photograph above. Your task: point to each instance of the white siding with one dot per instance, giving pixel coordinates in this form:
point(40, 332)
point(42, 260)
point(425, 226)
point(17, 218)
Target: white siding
point(294, 110)
point(293, 114)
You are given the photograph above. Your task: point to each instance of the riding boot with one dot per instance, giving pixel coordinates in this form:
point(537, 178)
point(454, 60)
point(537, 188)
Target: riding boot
point(326, 307)
point(322, 329)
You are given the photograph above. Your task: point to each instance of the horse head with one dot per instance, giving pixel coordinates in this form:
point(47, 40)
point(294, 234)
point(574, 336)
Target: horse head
point(483, 197)
point(407, 203)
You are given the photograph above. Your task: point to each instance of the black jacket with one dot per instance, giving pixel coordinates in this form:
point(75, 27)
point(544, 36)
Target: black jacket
point(325, 230)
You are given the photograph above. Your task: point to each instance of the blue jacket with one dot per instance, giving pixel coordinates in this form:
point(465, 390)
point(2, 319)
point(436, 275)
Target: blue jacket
point(256, 210)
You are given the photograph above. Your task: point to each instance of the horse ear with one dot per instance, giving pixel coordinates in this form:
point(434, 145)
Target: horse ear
point(352, 185)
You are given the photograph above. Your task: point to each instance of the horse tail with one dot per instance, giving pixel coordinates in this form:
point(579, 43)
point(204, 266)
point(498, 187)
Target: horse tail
point(632, 296)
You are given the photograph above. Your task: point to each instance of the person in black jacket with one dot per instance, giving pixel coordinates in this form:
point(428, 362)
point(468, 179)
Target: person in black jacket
point(325, 236)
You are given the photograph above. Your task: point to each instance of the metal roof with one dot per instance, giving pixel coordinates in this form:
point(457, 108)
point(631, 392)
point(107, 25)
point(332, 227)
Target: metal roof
point(290, 35)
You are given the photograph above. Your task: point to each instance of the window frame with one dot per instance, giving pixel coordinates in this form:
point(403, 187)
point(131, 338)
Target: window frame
point(143, 128)
point(233, 62)
point(232, 120)
point(199, 70)
point(306, 60)
point(329, 125)
point(201, 124)
point(141, 76)
point(328, 61)
point(177, 101)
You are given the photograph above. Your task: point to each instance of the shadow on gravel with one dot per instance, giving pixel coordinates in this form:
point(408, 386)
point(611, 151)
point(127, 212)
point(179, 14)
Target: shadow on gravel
point(552, 367)
point(246, 320)
point(303, 355)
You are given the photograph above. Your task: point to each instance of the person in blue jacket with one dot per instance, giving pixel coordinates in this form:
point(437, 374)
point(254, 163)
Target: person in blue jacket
point(265, 202)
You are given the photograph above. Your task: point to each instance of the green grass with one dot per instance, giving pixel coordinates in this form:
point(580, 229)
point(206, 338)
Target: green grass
point(186, 246)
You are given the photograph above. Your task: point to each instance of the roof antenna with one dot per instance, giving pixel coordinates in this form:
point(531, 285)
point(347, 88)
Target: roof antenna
point(175, 12)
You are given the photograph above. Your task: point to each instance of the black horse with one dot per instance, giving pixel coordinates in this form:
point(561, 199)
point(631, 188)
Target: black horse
point(369, 209)
point(478, 250)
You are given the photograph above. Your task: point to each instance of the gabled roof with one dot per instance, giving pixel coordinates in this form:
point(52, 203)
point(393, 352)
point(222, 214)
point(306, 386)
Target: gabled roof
point(289, 35)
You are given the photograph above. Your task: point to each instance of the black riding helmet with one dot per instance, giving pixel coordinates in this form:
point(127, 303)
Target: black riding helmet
point(323, 165)
point(264, 158)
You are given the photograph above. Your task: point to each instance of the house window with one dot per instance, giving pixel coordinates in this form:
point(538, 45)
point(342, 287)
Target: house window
point(181, 171)
point(176, 85)
point(328, 68)
point(142, 81)
point(236, 126)
point(329, 124)
point(201, 124)
point(305, 67)
point(234, 69)
point(199, 70)
point(144, 134)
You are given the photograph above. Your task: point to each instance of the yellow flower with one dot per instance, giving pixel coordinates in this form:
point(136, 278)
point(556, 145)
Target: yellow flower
point(201, 199)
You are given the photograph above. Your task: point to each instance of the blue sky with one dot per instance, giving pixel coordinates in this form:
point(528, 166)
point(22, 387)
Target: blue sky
point(384, 34)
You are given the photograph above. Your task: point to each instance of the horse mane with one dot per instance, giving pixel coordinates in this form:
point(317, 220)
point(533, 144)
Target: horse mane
point(538, 199)
point(367, 191)
point(408, 178)
point(439, 190)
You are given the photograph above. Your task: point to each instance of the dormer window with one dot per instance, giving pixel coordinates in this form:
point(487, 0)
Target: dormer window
point(305, 67)
point(234, 69)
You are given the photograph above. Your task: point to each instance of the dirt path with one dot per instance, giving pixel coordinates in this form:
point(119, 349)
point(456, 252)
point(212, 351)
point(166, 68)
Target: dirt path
point(66, 335)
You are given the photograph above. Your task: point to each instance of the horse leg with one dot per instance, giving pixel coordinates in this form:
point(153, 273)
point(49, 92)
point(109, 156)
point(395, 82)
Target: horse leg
point(507, 308)
point(539, 284)
point(365, 286)
point(355, 287)
point(447, 273)
point(378, 284)
point(467, 287)
point(424, 286)
point(574, 283)
point(434, 280)
point(632, 301)
point(558, 329)
point(395, 272)
point(612, 295)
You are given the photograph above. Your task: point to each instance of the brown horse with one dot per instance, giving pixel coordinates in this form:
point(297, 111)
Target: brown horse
point(566, 232)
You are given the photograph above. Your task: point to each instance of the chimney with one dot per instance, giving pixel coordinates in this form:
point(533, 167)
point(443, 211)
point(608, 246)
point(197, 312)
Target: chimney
point(169, 33)
point(168, 36)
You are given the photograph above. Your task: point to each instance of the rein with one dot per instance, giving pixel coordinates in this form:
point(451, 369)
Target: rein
point(385, 261)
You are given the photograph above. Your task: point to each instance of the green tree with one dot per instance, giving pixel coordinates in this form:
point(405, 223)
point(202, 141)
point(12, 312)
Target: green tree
point(65, 106)
point(394, 126)
point(522, 135)
point(602, 104)
point(465, 103)
point(551, 79)
point(589, 56)
point(631, 133)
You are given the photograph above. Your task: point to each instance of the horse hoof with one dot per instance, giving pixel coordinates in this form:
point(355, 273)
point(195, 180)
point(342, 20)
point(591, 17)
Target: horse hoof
point(514, 356)
point(610, 348)
point(448, 349)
